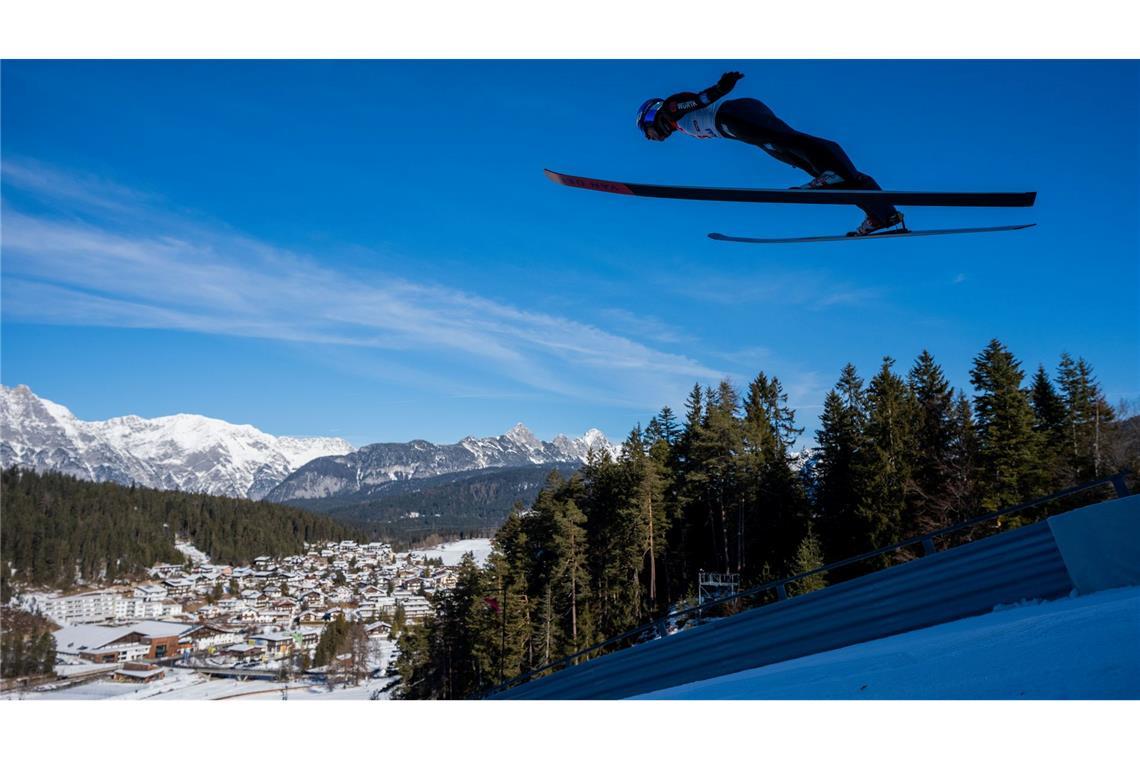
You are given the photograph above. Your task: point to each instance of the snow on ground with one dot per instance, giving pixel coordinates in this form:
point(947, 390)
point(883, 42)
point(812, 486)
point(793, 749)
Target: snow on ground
point(381, 654)
point(204, 687)
point(452, 553)
point(193, 553)
point(177, 679)
point(1074, 648)
point(80, 669)
point(322, 692)
point(182, 683)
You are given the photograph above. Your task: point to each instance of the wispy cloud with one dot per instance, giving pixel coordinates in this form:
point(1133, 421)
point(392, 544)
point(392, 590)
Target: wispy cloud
point(120, 260)
point(749, 357)
point(73, 192)
point(803, 289)
point(643, 327)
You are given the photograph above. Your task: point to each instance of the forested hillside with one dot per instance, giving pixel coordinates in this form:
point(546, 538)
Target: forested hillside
point(461, 504)
point(58, 530)
point(898, 455)
point(26, 644)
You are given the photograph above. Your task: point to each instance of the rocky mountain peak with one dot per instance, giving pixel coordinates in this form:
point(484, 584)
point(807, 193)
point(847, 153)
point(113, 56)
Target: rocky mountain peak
point(185, 452)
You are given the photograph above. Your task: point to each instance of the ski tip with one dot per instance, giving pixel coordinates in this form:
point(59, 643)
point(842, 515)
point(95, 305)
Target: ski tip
point(586, 183)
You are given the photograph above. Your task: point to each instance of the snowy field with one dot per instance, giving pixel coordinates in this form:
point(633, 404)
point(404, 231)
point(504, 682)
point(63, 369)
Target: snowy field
point(193, 553)
point(321, 693)
point(181, 683)
point(1074, 648)
point(453, 552)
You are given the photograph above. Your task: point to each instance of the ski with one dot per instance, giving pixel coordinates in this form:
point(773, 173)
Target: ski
point(874, 236)
point(831, 197)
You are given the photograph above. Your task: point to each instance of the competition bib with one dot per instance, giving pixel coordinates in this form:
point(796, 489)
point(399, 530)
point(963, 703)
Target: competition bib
point(700, 123)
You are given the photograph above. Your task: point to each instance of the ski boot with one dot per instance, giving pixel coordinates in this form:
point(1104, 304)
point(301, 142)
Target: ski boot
point(825, 180)
point(871, 225)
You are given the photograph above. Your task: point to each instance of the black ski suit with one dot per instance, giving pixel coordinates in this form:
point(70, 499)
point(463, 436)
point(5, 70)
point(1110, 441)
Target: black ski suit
point(750, 121)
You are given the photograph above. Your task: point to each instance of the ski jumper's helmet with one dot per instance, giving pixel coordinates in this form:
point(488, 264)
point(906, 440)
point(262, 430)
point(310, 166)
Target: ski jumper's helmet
point(647, 120)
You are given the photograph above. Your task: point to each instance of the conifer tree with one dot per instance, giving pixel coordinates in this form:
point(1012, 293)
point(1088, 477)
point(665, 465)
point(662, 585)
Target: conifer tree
point(931, 453)
point(1088, 418)
point(839, 477)
point(505, 641)
point(713, 479)
point(652, 433)
point(687, 531)
point(959, 499)
point(809, 556)
point(667, 424)
point(615, 528)
point(646, 475)
point(1049, 423)
point(773, 499)
point(1008, 446)
point(663, 451)
point(886, 459)
point(462, 616)
point(571, 579)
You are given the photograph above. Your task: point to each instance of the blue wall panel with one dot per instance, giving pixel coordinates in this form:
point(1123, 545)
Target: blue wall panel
point(968, 580)
point(1100, 544)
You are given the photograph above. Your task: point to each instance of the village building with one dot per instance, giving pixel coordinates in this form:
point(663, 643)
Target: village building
point(211, 639)
point(275, 645)
point(139, 672)
point(246, 652)
point(77, 609)
point(152, 640)
point(151, 592)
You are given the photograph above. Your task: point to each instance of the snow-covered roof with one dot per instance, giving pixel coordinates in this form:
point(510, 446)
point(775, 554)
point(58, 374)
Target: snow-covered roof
point(160, 628)
point(73, 639)
point(243, 648)
point(140, 674)
point(277, 636)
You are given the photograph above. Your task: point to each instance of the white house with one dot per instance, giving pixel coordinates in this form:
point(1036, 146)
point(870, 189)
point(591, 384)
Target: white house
point(93, 607)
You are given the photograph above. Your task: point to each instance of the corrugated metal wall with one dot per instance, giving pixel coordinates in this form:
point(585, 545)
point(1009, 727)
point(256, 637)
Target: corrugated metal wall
point(968, 580)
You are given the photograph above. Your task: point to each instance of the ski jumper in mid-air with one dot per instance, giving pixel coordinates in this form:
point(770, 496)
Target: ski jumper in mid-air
point(704, 114)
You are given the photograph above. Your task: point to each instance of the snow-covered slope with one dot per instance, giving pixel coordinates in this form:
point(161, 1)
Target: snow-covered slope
point(451, 554)
point(184, 452)
point(371, 467)
point(1074, 648)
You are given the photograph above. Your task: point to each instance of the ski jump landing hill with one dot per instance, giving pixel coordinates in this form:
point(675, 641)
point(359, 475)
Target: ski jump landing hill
point(1087, 550)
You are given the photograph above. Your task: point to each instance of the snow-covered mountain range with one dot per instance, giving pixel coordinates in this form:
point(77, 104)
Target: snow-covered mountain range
point(370, 468)
point(183, 452)
point(188, 452)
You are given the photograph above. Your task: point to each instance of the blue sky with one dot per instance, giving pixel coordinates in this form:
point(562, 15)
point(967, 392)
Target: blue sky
point(370, 250)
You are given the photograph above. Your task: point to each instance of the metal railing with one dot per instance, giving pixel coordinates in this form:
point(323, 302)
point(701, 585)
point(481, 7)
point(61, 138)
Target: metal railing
point(926, 541)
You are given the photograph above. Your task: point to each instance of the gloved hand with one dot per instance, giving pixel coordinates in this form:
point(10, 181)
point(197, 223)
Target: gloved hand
point(729, 80)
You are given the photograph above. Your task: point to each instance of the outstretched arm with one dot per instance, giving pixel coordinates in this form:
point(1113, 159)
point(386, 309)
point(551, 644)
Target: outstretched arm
point(682, 103)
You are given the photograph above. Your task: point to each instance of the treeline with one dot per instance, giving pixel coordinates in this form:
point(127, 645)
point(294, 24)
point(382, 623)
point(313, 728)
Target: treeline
point(623, 541)
point(59, 530)
point(446, 507)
